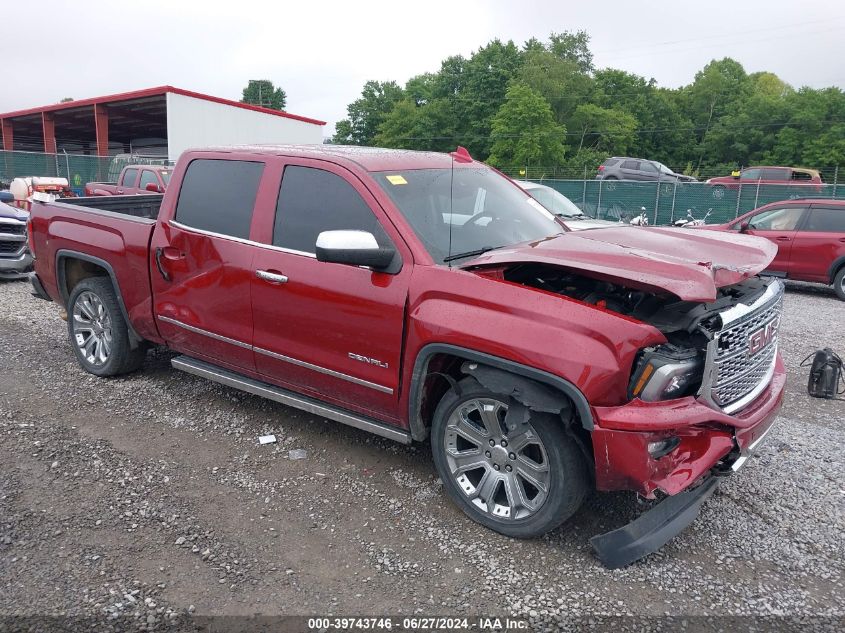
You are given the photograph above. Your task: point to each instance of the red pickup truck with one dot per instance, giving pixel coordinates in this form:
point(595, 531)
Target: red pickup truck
point(424, 296)
point(134, 179)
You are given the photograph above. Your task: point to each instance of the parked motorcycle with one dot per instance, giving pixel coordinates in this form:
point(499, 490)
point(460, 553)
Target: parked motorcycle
point(641, 219)
point(691, 220)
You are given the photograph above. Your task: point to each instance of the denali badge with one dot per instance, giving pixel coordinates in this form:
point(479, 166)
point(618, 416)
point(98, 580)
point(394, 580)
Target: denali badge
point(761, 338)
point(364, 359)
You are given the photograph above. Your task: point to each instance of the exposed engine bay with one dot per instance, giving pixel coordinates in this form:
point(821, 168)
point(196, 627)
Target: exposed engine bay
point(671, 370)
point(664, 311)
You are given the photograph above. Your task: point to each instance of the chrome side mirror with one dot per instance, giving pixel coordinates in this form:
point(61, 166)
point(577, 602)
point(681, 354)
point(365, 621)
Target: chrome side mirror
point(354, 248)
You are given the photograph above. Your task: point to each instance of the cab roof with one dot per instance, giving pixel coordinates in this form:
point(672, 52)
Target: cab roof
point(369, 158)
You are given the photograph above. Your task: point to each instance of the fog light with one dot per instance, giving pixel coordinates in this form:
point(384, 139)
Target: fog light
point(663, 447)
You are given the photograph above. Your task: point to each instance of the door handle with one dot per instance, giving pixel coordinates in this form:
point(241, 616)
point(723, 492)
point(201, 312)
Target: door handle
point(120, 191)
point(164, 274)
point(273, 278)
point(783, 238)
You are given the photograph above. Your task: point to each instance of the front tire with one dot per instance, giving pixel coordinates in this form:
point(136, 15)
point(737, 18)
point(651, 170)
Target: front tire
point(521, 483)
point(839, 283)
point(97, 330)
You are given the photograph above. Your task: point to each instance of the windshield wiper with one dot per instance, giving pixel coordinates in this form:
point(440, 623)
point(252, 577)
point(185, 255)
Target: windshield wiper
point(478, 251)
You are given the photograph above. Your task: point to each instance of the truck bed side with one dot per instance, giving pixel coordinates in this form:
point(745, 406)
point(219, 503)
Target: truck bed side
point(74, 241)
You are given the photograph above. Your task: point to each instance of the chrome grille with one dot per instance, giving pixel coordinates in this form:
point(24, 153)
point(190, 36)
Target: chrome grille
point(12, 229)
point(742, 354)
point(11, 248)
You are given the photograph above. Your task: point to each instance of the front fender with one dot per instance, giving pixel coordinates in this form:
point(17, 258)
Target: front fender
point(589, 347)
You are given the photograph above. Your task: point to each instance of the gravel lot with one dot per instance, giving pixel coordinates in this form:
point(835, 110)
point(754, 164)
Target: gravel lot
point(147, 497)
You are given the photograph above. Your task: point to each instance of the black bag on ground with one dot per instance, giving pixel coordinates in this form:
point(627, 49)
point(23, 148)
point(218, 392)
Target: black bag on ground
point(825, 374)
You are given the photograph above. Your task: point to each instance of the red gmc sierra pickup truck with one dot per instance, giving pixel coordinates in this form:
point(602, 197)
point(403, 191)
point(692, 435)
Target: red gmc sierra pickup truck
point(422, 296)
point(133, 179)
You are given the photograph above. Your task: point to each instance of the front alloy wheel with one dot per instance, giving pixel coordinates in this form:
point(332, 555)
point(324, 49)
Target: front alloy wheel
point(521, 478)
point(506, 475)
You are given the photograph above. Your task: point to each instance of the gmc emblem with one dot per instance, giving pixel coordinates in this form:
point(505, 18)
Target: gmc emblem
point(761, 338)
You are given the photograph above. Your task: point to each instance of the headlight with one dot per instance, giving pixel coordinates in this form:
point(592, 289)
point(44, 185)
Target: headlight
point(666, 372)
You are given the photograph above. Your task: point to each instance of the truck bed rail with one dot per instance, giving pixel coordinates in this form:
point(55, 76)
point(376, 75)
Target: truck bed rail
point(137, 206)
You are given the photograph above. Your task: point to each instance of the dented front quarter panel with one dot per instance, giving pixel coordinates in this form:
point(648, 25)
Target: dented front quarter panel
point(593, 349)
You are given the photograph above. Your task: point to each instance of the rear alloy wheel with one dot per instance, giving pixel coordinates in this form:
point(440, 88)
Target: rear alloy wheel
point(97, 329)
point(839, 283)
point(521, 481)
point(92, 329)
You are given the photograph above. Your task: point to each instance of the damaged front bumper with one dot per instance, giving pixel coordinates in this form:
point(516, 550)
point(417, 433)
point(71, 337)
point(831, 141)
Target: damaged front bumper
point(709, 444)
point(17, 266)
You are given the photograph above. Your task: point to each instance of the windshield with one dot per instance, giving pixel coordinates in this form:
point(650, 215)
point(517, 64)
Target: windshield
point(165, 177)
point(556, 202)
point(484, 210)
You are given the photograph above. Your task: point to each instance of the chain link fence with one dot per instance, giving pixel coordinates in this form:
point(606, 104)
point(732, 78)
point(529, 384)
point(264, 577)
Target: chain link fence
point(664, 202)
point(77, 168)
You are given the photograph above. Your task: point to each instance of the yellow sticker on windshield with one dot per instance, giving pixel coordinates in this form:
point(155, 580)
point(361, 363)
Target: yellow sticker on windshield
point(397, 180)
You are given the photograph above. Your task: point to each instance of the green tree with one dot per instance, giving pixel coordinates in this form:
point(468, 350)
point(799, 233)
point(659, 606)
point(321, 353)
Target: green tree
point(573, 47)
point(262, 92)
point(725, 118)
point(481, 91)
point(429, 126)
point(524, 131)
point(605, 129)
point(367, 112)
point(560, 81)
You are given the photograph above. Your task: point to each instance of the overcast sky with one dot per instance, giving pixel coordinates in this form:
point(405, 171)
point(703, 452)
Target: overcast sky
point(322, 52)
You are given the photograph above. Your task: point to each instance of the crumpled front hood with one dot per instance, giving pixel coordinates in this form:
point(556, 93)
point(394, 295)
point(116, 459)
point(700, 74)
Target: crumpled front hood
point(689, 264)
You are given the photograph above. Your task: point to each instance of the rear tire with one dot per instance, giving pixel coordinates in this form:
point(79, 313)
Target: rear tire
point(839, 283)
point(98, 332)
point(465, 423)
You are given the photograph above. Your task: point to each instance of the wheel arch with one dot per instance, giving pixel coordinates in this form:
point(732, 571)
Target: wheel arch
point(428, 380)
point(835, 267)
point(73, 266)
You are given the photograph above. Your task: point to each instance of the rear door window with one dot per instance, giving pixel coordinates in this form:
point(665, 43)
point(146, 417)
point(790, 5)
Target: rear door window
point(631, 164)
point(218, 196)
point(826, 220)
point(314, 200)
point(130, 177)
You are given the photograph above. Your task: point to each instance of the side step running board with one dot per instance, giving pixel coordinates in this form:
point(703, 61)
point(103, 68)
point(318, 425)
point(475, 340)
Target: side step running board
point(255, 387)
